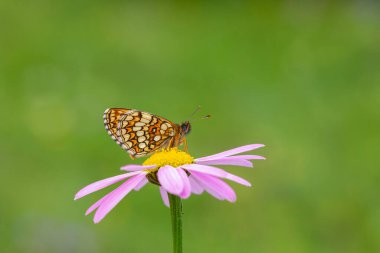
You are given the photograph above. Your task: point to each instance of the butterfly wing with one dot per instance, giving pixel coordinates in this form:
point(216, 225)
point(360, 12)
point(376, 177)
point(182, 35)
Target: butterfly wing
point(111, 119)
point(139, 133)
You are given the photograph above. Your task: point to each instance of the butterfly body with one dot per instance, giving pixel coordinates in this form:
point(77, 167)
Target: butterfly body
point(141, 133)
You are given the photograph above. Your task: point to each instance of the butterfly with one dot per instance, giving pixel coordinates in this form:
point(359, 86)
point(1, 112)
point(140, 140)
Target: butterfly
point(141, 133)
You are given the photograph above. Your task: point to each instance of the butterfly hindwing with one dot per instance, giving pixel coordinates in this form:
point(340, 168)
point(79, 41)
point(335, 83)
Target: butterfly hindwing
point(111, 118)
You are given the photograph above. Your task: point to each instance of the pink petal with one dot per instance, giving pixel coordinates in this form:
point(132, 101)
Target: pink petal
point(186, 192)
point(102, 184)
point(238, 179)
point(227, 161)
point(170, 179)
point(250, 157)
point(204, 186)
point(239, 157)
point(164, 196)
point(136, 167)
point(232, 152)
point(97, 204)
point(205, 169)
point(215, 186)
point(195, 187)
point(215, 172)
point(116, 196)
point(140, 185)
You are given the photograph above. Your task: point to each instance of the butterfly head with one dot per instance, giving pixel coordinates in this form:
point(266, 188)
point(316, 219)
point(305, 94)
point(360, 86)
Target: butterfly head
point(185, 127)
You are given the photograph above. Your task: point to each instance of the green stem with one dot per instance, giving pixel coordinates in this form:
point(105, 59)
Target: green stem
point(176, 213)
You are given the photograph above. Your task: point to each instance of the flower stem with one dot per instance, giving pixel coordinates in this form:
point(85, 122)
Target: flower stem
point(176, 213)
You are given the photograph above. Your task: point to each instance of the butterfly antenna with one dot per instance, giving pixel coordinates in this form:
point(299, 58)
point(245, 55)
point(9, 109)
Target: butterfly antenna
point(195, 111)
point(203, 117)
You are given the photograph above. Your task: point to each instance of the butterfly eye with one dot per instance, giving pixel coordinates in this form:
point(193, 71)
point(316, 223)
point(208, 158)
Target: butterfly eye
point(186, 127)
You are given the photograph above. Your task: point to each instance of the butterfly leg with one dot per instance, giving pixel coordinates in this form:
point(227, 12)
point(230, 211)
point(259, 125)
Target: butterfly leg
point(185, 147)
point(170, 144)
point(132, 157)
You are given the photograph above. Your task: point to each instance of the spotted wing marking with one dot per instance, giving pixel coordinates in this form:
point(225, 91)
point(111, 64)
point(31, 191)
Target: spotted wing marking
point(141, 132)
point(111, 118)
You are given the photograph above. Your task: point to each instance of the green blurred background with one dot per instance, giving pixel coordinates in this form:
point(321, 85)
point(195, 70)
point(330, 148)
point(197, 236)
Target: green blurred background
point(301, 77)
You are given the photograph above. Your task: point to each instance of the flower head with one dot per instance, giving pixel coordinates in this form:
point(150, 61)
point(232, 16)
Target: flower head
point(177, 173)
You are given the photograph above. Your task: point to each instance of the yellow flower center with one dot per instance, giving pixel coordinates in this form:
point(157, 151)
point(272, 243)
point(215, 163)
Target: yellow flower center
point(173, 157)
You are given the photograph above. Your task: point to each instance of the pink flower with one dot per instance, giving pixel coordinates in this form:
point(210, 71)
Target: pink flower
point(177, 173)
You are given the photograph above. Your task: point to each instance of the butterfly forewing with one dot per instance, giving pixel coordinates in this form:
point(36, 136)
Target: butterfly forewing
point(140, 133)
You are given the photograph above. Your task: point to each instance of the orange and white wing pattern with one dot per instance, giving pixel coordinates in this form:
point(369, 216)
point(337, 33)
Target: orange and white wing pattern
point(111, 118)
point(139, 133)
